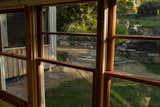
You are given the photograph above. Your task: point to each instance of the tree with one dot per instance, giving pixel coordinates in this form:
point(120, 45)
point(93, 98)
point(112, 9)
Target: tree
point(77, 18)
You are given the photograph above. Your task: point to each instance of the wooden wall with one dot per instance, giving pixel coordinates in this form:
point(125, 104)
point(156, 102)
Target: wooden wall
point(15, 67)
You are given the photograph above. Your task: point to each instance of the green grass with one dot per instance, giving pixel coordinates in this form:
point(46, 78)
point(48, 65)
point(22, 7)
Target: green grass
point(61, 57)
point(131, 94)
point(153, 68)
point(78, 93)
point(147, 21)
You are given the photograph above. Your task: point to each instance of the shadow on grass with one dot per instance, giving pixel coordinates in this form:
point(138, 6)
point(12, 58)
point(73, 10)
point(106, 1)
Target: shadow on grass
point(78, 93)
point(131, 94)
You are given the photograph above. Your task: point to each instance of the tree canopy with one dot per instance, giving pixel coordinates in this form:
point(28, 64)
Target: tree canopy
point(77, 18)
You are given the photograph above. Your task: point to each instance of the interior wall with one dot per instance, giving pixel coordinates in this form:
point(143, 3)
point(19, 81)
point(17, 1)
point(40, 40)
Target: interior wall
point(5, 104)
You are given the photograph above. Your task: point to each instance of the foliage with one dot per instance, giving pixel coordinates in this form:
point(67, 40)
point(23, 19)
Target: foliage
point(148, 9)
point(62, 56)
point(121, 29)
point(82, 18)
point(125, 8)
point(77, 18)
point(89, 39)
point(146, 21)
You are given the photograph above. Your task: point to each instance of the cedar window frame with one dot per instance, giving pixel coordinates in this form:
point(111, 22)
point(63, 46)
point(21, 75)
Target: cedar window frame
point(106, 24)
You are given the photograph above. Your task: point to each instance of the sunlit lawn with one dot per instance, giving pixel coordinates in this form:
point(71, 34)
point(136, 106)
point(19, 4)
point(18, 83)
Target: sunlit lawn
point(78, 93)
point(130, 94)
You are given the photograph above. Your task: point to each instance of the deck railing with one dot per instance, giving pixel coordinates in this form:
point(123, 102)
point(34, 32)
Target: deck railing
point(16, 67)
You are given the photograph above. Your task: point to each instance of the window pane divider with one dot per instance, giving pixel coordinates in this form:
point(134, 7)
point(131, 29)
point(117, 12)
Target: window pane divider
point(4, 11)
point(66, 64)
point(39, 65)
point(69, 2)
point(137, 37)
point(69, 34)
point(110, 49)
point(31, 54)
point(13, 55)
point(131, 77)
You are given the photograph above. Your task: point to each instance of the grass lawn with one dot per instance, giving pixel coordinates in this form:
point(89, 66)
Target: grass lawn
point(75, 93)
point(131, 94)
point(153, 68)
point(78, 93)
point(146, 21)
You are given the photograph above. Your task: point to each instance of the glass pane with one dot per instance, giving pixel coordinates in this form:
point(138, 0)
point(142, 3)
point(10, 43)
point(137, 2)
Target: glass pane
point(132, 94)
point(72, 49)
point(15, 76)
point(67, 87)
point(138, 57)
point(13, 33)
point(138, 17)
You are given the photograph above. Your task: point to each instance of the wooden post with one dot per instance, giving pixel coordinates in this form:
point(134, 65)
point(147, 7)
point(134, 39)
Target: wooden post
point(98, 76)
point(52, 28)
point(31, 24)
point(40, 69)
point(52, 38)
point(4, 30)
point(2, 63)
point(110, 50)
point(1, 76)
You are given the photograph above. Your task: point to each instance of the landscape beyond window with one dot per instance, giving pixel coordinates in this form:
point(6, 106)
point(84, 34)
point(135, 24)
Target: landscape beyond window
point(138, 17)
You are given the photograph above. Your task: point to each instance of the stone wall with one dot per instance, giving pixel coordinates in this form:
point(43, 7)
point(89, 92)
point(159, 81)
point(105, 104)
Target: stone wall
point(76, 42)
point(140, 56)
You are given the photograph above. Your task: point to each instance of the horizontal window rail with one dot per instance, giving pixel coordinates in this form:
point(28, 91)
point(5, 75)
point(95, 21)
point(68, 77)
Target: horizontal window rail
point(66, 64)
point(68, 2)
point(134, 78)
point(20, 6)
point(136, 37)
point(13, 55)
point(13, 99)
point(69, 34)
point(12, 10)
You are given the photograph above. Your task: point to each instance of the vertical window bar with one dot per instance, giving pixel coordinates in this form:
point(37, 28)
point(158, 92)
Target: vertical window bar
point(40, 71)
point(110, 49)
point(31, 24)
point(2, 63)
point(98, 76)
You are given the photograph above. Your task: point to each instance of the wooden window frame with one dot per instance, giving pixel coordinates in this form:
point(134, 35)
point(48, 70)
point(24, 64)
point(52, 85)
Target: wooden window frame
point(106, 23)
point(3, 94)
point(110, 59)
